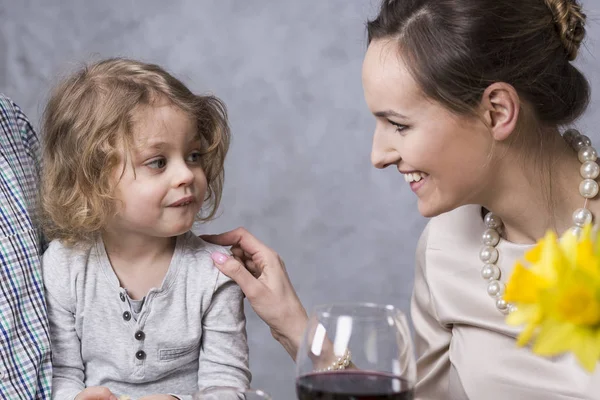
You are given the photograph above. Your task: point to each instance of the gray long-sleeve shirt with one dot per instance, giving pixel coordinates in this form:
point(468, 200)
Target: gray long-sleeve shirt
point(190, 333)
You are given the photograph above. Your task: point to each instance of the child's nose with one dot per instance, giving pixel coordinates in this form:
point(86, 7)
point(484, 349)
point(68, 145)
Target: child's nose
point(184, 175)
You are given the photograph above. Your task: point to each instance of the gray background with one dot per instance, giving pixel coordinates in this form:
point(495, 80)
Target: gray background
point(298, 174)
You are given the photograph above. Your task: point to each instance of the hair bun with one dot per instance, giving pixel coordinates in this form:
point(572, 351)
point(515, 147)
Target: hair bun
point(569, 20)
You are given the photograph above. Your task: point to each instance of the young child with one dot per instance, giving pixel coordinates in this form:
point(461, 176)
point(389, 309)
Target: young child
point(135, 305)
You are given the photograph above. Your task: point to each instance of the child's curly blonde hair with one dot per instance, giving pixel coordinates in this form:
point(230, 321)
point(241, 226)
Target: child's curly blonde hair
point(88, 120)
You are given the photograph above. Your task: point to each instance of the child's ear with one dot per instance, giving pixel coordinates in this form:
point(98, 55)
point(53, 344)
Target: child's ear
point(500, 106)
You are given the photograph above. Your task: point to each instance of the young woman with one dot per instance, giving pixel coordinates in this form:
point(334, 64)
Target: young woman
point(470, 98)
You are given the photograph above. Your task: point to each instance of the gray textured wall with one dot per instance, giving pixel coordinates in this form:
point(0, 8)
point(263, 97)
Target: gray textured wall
point(298, 174)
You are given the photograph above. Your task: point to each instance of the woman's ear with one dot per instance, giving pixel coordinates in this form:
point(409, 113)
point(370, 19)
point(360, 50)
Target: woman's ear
point(500, 106)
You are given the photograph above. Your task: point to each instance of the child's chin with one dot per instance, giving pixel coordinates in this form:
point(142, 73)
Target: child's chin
point(180, 230)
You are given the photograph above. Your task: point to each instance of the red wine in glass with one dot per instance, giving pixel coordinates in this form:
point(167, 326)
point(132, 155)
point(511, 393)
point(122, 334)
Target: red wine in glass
point(352, 385)
point(356, 351)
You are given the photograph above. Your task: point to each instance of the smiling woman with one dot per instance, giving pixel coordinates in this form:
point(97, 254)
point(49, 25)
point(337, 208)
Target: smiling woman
point(469, 99)
point(482, 99)
point(421, 137)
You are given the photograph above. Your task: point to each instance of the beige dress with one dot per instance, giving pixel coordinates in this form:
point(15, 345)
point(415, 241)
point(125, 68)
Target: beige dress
point(466, 351)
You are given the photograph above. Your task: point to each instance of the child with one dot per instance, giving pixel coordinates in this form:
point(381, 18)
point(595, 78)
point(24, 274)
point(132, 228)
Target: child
point(135, 305)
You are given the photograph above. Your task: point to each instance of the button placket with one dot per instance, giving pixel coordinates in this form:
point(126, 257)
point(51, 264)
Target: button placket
point(139, 336)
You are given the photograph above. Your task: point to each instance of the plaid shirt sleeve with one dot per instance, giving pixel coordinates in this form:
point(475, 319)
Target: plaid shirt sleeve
point(25, 365)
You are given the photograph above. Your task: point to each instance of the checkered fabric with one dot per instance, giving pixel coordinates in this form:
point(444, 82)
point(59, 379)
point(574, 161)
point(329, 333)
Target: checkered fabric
point(25, 368)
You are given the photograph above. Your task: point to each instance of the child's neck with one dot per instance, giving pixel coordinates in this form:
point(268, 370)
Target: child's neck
point(140, 262)
point(135, 247)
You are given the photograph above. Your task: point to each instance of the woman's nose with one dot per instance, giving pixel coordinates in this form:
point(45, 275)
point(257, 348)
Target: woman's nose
point(382, 154)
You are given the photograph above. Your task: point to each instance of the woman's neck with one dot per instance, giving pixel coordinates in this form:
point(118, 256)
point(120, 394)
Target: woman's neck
point(537, 192)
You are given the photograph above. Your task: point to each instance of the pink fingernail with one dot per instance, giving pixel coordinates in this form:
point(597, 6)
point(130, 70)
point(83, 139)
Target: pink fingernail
point(219, 258)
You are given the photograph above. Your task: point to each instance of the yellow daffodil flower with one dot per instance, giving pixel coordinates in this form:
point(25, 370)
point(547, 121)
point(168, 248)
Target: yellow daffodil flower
point(557, 293)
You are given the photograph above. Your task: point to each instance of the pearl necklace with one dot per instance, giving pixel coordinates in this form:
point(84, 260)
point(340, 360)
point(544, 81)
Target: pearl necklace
point(588, 188)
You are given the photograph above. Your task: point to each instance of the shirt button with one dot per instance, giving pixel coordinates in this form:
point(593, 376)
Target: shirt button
point(140, 355)
point(139, 335)
point(122, 296)
point(2, 375)
point(126, 315)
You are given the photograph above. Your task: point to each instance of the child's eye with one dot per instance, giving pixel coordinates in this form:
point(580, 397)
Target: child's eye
point(194, 157)
point(157, 163)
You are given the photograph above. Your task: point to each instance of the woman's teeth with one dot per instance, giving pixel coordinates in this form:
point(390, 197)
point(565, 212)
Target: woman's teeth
point(414, 176)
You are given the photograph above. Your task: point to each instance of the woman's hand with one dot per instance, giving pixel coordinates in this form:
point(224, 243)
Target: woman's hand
point(96, 393)
point(262, 276)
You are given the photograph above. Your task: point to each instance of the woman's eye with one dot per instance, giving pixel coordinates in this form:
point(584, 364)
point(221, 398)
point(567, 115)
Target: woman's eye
point(158, 163)
point(399, 127)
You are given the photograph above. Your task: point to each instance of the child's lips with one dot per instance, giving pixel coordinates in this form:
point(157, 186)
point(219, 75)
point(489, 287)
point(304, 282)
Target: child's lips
point(184, 201)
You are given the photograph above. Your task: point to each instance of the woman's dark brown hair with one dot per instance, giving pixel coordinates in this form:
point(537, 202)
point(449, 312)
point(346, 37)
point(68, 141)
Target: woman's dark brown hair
point(456, 48)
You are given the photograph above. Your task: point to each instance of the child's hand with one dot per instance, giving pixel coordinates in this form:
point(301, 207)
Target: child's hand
point(96, 393)
point(158, 397)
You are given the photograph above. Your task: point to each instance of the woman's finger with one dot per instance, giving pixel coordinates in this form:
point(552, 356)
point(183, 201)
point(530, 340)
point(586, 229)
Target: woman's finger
point(254, 269)
point(239, 237)
point(239, 253)
point(236, 271)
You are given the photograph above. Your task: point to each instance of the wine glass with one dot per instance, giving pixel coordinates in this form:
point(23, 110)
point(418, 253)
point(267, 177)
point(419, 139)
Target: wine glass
point(231, 393)
point(356, 352)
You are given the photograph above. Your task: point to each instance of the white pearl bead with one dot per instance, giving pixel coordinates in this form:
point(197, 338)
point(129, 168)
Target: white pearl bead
point(589, 170)
point(588, 188)
point(578, 143)
point(490, 237)
point(512, 308)
point(495, 288)
point(570, 134)
point(488, 254)
point(490, 272)
point(492, 221)
point(577, 231)
point(501, 304)
point(582, 216)
point(586, 140)
point(587, 153)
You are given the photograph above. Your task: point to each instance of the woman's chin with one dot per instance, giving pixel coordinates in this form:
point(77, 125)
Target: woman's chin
point(430, 209)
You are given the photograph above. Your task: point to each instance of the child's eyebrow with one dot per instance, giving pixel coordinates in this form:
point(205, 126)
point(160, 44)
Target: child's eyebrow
point(157, 145)
point(150, 144)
